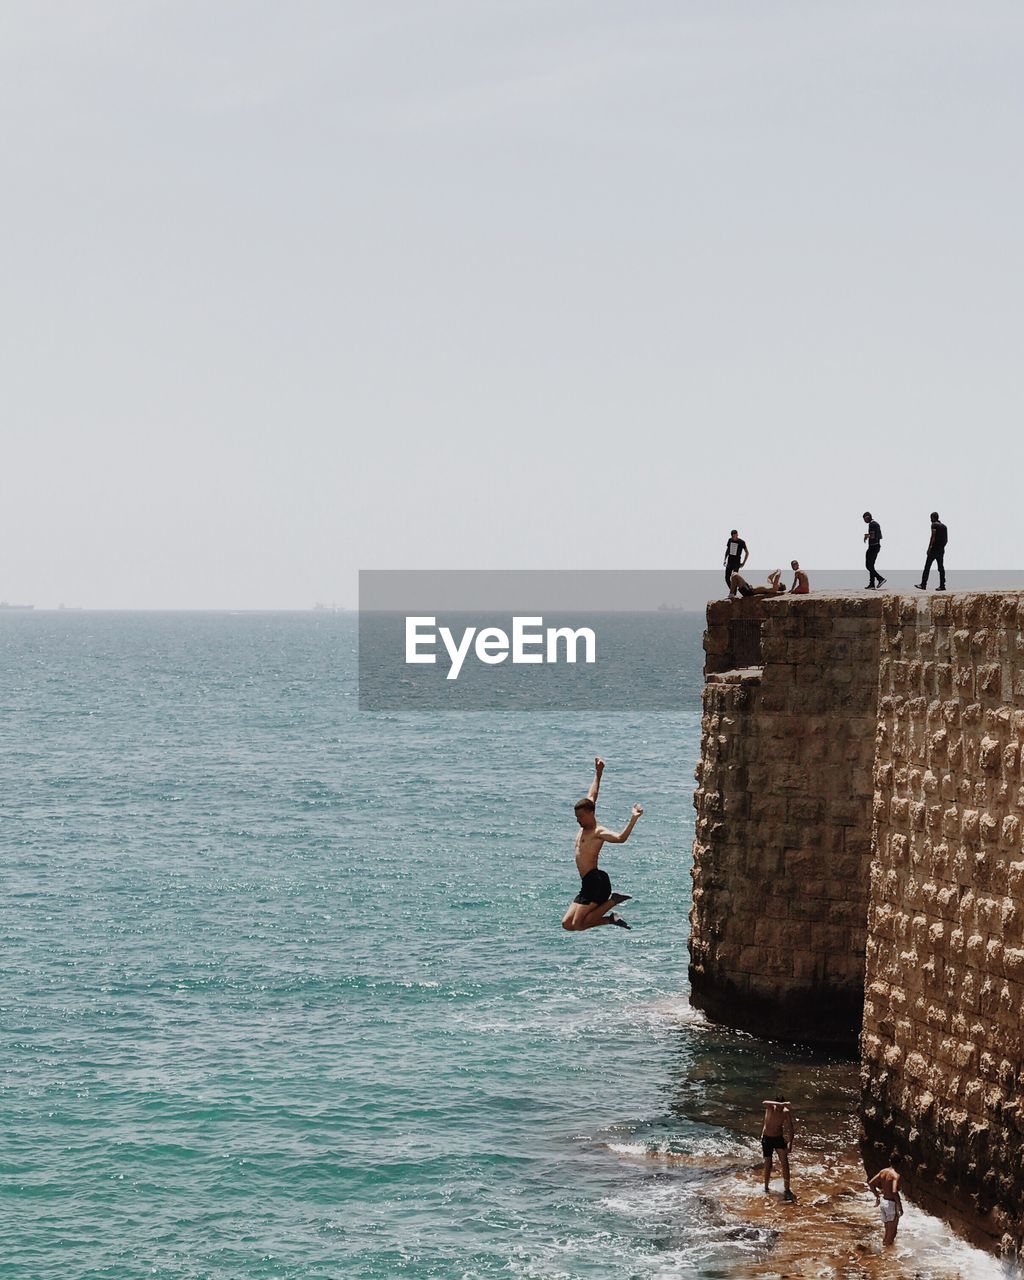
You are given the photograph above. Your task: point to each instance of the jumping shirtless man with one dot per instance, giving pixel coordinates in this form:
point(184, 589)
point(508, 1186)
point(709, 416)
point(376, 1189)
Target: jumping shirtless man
point(593, 904)
point(886, 1186)
point(777, 1135)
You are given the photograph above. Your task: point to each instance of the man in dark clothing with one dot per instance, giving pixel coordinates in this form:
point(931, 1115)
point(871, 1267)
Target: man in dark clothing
point(873, 538)
point(735, 556)
point(936, 553)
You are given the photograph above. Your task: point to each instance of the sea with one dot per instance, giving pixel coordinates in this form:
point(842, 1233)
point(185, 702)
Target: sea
point(285, 994)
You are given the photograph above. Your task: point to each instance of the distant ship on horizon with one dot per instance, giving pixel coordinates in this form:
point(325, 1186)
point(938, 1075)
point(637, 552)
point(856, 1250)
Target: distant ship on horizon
point(5, 605)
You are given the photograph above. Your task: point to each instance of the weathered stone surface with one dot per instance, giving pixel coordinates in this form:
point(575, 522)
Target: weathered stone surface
point(860, 858)
point(942, 1104)
point(792, 777)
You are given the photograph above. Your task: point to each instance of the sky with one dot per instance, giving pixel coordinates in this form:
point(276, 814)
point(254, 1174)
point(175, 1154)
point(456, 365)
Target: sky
point(293, 290)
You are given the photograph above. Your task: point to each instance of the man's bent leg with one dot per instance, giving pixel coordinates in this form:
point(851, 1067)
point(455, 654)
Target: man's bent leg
point(577, 917)
point(596, 914)
point(585, 915)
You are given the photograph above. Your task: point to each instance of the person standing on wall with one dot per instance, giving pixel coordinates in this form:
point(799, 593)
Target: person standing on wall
point(936, 553)
point(735, 556)
point(873, 538)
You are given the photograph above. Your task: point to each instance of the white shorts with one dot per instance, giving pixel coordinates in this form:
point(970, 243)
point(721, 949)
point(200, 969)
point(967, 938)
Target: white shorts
point(887, 1208)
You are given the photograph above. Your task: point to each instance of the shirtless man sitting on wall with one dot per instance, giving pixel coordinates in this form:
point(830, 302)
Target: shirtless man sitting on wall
point(801, 584)
point(593, 904)
point(775, 587)
point(886, 1186)
point(777, 1135)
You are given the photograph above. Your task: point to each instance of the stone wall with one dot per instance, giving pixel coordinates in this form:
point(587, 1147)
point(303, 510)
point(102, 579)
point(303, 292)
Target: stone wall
point(784, 787)
point(859, 856)
point(942, 1042)
point(733, 636)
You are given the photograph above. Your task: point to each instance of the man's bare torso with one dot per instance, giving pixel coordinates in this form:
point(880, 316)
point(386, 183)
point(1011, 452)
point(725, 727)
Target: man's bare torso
point(588, 849)
point(888, 1183)
point(778, 1121)
point(772, 1122)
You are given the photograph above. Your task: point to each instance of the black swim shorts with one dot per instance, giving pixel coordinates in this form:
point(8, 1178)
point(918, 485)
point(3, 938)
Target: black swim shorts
point(596, 888)
point(768, 1145)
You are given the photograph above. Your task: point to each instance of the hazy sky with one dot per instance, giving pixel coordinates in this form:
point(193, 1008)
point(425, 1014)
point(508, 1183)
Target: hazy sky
point(294, 289)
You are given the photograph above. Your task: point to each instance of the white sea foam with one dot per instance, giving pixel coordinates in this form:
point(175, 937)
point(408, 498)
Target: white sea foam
point(669, 1010)
point(714, 1148)
point(629, 1148)
point(925, 1242)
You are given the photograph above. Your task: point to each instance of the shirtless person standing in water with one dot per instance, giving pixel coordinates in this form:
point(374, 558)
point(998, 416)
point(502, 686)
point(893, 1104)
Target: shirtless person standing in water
point(777, 1135)
point(886, 1186)
point(593, 904)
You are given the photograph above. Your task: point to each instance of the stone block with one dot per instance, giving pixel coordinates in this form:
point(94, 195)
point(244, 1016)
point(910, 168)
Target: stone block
point(990, 754)
point(990, 680)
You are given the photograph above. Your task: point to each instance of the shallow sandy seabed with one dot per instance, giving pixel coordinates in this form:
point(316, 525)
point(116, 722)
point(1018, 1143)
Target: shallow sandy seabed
point(833, 1230)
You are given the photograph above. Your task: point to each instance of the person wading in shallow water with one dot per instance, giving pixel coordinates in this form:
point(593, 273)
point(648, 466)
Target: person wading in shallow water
point(777, 1135)
point(593, 904)
point(886, 1186)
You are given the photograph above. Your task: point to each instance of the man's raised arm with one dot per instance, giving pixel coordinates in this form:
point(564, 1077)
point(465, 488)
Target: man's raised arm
point(595, 786)
point(623, 835)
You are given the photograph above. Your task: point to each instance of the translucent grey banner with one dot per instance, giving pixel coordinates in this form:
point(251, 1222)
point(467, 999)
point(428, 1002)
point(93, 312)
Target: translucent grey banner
point(551, 641)
point(560, 640)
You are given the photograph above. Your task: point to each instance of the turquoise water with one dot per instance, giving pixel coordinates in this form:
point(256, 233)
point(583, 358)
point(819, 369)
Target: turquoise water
point(284, 989)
